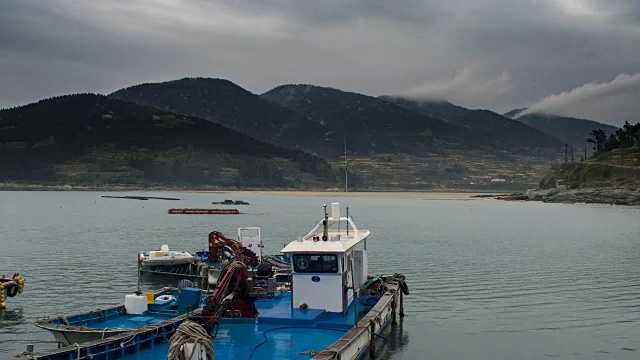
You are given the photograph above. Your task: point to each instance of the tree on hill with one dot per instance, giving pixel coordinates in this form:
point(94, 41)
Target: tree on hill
point(598, 138)
point(625, 137)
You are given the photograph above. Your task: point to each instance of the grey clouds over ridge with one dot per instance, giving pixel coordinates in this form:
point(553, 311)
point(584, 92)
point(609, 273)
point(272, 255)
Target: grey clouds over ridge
point(493, 54)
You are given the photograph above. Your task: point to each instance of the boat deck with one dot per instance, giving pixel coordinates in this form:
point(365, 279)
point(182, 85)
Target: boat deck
point(130, 321)
point(279, 332)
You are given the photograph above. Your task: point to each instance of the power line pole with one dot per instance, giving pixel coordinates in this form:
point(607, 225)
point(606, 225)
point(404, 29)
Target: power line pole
point(571, 153)
point(566, 145)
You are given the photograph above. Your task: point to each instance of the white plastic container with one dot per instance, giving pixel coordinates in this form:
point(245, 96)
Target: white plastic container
point(335, 211)
point(165, 249)
point(200, 352)
point(135, 304)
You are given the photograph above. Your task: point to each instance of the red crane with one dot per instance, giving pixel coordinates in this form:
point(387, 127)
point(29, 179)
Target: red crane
point(221, 247)
point(231, 298)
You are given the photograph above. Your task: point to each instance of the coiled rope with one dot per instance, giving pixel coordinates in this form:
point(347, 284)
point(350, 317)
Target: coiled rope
point(189, 332)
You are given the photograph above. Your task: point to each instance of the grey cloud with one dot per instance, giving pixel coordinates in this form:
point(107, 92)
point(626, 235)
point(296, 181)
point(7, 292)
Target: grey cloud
point(494, 54)
point(330, 12)
point(592, 97)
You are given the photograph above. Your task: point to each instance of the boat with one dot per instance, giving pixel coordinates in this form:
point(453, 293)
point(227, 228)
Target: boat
point(206, 269)
point(10, 287)
point(230, 202)
point(333, 310)
point(204, 211)
point(165, 307)
point(164, 260)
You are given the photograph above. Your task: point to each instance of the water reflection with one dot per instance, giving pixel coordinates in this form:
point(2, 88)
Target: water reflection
point(11, 317)
point(395, 338)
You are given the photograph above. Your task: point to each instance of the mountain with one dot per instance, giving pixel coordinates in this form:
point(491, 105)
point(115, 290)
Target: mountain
point(435, 108)
point(499, 130)
point(226, 103)
point(571, 130)
point(372, 125)
point(91, 139)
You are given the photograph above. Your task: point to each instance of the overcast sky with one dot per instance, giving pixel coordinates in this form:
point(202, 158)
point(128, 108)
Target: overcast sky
point(571, 57)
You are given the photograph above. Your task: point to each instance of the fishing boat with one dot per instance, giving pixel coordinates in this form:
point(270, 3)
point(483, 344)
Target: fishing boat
point(164, 260)
point(163, 308)
point(10, 287)
point(206, 268)
point(333, 310)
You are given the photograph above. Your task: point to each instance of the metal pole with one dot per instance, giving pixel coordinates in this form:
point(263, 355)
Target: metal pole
point(346, 174)
point(571, 153)
point(348, 221)
point(139, 265)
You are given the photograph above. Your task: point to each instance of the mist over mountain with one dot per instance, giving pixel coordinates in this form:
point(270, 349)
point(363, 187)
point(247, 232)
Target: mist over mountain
point(573, 131)
point(500, 130)
point(372, 124)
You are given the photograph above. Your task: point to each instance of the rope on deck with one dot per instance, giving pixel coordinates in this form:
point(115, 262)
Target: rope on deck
point(189, 332)
point(27, 355)
point(333, 352)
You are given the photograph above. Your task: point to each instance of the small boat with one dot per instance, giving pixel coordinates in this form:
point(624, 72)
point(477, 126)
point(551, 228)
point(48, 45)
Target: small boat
point(204, 211)
point(140, 311)
point(333, 310)
point(10, 287)
point(165, 260)
point(230, 202)
point(206, 269)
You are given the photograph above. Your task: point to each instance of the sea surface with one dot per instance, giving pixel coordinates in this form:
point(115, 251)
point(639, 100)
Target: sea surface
point(488, 279)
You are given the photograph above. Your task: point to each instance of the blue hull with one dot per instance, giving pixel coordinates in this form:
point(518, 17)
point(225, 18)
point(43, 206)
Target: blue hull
point(279, 332)
point(111, 321)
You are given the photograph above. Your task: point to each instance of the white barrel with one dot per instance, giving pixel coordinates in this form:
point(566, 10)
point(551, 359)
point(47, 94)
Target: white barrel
point(165, 249)
point(135, 304)
point(335, 210)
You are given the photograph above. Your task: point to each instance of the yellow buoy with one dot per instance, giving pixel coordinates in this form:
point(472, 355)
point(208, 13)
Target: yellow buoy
point(150, 297)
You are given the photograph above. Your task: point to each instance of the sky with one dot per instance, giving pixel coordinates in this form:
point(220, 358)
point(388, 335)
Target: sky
point(576, 58)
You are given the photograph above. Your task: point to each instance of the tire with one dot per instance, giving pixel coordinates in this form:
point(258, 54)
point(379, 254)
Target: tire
point(12, 290)
point(404, 287)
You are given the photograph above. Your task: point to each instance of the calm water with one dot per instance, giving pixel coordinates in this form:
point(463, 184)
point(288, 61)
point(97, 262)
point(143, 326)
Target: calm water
point(488, 280)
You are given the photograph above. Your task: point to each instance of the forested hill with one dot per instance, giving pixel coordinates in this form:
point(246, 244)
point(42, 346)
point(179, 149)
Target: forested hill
point(91, 139)
point(566, 129)
point(226, 103)
point(374, 125)
point(499, 130)
point(615, 162)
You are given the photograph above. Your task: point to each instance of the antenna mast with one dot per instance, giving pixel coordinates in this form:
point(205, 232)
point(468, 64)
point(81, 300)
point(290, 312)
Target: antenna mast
point(346, 174)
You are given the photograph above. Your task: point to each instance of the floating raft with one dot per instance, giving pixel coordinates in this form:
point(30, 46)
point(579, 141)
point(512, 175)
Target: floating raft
point(205, 211)
point(139, 197)
point(230, 202)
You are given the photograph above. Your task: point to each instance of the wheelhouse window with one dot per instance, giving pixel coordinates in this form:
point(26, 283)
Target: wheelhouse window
point(315, 263)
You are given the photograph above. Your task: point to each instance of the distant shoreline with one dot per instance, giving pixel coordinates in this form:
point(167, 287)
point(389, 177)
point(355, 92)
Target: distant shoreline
point(444, 194)
point(604, 195)
point(413, 195)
